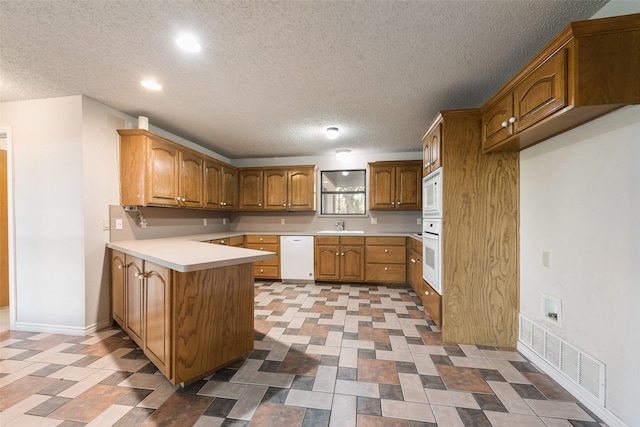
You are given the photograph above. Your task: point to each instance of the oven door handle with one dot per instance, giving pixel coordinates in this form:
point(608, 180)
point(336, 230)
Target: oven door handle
point(430, 236)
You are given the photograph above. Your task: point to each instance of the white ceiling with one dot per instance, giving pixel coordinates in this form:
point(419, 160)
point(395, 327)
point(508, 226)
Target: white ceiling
point(272, 75)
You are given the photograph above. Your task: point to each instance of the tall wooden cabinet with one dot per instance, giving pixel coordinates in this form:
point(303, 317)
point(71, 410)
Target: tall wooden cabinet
point(480, 276)
point(588, 70)
point(395, 185)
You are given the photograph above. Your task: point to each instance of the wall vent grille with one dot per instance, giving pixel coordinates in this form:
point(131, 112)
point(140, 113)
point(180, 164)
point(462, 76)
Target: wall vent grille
point(582, 369)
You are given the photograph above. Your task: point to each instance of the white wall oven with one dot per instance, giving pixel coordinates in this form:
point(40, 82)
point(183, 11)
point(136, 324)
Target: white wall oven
point(431, 253)
point(431, 229)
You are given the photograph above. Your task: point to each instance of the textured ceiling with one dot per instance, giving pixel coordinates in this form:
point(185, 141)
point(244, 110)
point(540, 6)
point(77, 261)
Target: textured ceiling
point(272, 75)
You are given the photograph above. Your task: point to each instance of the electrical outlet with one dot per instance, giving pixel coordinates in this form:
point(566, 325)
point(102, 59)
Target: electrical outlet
point(118, 224)
point(374, 220)
point(224, 221)
point(105, 224)
point(545, 258)
point(204, 221)
point(419, 221)
point(282, 221)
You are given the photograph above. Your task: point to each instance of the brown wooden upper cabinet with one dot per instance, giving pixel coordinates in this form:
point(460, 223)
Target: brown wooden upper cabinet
point(588, 70)
point(431, 150)
point(290, 188)
point(155, 171)
point(220, 185)
point(395, 185)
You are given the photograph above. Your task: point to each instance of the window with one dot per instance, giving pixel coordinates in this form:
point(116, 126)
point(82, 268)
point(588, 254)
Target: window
point(343, 192)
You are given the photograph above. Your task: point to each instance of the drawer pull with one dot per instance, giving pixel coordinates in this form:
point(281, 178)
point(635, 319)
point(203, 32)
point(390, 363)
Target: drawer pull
point(386, 251)
point(386, 269)
point(262, 249)
point(261, 270)
point(337, 253)
point(342, 254)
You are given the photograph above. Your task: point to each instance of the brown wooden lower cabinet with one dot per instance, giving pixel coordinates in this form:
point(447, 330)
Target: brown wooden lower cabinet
point(187, 324)
point(268, 269)
point(339, 258)
point(432, 302)
point(386, 259)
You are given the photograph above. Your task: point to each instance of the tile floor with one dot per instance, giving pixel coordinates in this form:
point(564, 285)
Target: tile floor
point(325, 355)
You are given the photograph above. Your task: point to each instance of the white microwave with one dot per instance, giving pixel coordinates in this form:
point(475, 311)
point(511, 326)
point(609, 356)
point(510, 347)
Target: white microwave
point(432, 195)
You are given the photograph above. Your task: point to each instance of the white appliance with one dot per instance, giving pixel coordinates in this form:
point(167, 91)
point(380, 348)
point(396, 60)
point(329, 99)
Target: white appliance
point(431, 253)
point(296, 258)
point(432, 195)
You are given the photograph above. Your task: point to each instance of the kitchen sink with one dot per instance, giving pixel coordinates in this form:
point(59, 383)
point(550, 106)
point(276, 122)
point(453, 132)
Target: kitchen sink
point(340, 232)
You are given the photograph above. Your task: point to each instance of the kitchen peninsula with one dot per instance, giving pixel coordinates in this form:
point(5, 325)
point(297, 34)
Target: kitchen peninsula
point(187, 304)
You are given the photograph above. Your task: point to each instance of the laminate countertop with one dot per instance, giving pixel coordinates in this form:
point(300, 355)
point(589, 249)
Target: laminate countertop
point(193, 253)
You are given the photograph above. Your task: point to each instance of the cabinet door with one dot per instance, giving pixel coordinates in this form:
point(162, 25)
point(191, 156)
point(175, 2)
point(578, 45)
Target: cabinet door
point(541, 93)
point(408, 186)
point(495, 122)
point(162, 179)
point(275, 189)
point(190, 179)
point(352, 263)
point(212, 184)
point(250, 189)
point(229, 188)
point(431, 150)
point(134, 287)
point(382, 186)
point(118, 281)
point(157, 337)
point(327, 262)
point(301, 185)
point(432, 302)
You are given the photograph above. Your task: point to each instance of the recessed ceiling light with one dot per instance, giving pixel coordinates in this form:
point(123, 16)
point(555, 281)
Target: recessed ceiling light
point(189, 43)
point(151, 84)
point(333, 132)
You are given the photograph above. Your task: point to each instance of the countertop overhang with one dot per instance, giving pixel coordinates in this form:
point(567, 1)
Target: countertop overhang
point(192, 253)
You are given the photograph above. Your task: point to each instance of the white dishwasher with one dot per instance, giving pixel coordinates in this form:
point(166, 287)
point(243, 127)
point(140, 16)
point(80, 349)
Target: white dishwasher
point(296, 258)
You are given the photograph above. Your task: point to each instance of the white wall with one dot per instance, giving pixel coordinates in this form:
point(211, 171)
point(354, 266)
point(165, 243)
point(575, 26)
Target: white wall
point(49, 211)
point(580, 201)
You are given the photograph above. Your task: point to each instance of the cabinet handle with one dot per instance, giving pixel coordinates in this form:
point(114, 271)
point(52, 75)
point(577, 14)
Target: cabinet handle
point(512, 119)
point(337, 253)
point(399, 203)
point(284, 205)
point(504, 124)
point(119, 267)
point(413, 260)
point(261, 270)
point(386, 269)
point(259, 205)
point(393, 203)
point(261, 249)
point(386, 251)
point(426, 293)
point(222, 242)
point(261, 239)
point(342, 254)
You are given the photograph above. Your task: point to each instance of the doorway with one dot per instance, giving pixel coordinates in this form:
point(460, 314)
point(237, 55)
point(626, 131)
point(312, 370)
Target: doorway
point(4, 235)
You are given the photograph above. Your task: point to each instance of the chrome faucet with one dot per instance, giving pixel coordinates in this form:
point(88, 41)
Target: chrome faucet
point(340, 225)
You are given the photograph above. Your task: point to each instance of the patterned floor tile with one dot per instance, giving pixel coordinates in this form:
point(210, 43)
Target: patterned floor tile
point(325, 355)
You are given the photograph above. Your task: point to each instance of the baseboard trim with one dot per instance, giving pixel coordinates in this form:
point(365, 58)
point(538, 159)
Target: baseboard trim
point(44, 328)
point(587, 400)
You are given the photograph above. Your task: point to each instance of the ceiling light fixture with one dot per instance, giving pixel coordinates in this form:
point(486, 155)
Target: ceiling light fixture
point(343, 154)
point(189, 43)
point(333, 132)
point(151, 84)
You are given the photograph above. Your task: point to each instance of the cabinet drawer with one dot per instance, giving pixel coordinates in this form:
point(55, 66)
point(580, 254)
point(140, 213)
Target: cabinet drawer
point(220, 242)
point(351, 240)
point(388, 241)
point(268, 248)
point(386, 254)
point(236, 241)
point(262, 239)
point(415, 245)
point(393, 273)
point(327, 240)
point(266, 271)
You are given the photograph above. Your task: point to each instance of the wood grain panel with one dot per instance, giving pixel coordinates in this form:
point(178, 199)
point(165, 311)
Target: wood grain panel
point(162, 182)
point(133, 163)
point(301, 183)
point(327, 261)
point(386, 254)
point(275, 189)
point(134, 290)
point(118, 290)
point(191, 179)
point(480, 237)
point(352, 267)
point(251, 190)
point(214, 319)
point(212, 185)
